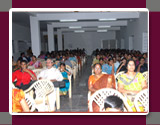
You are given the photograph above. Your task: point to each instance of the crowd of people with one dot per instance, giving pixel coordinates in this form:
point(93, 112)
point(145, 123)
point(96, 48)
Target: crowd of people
point(23, 77)
point(107, 63)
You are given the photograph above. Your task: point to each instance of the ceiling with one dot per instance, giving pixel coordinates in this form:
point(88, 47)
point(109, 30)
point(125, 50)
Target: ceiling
point(84, 18)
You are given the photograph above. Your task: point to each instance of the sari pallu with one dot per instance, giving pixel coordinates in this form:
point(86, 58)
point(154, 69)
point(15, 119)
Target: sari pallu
point(102, 82)
point(63, 91)
point(133, 85)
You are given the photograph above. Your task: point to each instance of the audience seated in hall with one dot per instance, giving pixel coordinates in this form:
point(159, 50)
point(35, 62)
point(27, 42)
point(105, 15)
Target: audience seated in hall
point(24, 77)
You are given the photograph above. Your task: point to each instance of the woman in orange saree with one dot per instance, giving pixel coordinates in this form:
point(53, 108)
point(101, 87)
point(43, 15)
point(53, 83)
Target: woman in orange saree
point(18, 101)
point(99, 81)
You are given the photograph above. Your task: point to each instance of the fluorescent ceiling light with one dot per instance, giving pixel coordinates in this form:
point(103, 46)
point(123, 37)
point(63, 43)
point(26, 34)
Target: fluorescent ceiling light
point(75, 27)
point(107, 19)
point(104, 26)
point(101, 30)
point(79, 31)
point(71, 20)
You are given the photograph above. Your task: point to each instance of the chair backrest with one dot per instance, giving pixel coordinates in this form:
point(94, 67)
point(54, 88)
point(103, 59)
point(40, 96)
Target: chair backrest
point(117, 77)
point(145, 75)
point(69, 69)
point(31, 103)
point(41, 60)
point(73, 63)
point(143, 99)
point(99, 96)
point(43, 63)
point(37, 71)
point(31, 67)
point(57, 62)
point(42, 88)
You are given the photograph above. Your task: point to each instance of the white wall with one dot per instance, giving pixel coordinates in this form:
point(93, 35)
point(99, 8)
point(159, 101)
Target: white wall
point(135, 28)
point(20, 33)
point(88, 40)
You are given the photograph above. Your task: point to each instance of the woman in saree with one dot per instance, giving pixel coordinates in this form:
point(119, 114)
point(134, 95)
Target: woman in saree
point(35, 63)
point(65, 73)
point(99, 81)
point(18, 101)
point(130, 83)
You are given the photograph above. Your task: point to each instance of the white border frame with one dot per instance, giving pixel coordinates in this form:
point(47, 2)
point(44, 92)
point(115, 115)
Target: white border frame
point(67, 10)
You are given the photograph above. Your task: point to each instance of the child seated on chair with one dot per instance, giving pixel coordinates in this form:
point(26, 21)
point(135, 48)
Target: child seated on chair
point(113, 104)
point(65, 73)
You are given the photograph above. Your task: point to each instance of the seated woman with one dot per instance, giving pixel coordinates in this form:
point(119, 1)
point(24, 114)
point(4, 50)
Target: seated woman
point(18, 101)
point(65, 73)
point(101, 61)
point(37, 64)
point(113, 104)
point(23, 76)
point(99, 81)
point(109, 68)
point(131, 83)
point(17, 66)
point(122, 66)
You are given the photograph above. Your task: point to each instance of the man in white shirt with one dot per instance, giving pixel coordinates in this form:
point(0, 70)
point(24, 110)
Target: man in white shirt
point(53, 75)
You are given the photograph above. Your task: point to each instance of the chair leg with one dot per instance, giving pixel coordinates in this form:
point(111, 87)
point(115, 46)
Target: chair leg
point(58, 99)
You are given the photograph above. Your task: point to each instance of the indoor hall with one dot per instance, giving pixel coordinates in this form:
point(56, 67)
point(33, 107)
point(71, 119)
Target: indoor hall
point(62, 49)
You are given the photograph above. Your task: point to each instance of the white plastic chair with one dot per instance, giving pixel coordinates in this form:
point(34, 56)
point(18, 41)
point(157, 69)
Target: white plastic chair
point(70, 86)
point(42, 89)
point(143, 98)
point(145, 75)
point(37, 71)
point(117, 77)
point(31, 103)
point(99, 96)
point(75, 69)
point(43, 64)
point(31, 67)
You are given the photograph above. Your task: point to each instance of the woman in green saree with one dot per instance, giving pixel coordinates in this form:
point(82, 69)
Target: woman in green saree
point(131, 83)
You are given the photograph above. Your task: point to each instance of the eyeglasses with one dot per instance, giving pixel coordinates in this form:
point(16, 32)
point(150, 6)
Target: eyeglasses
point(97, 68)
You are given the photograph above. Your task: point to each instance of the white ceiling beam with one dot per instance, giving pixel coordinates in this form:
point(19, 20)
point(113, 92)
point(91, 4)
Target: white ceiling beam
point(89, 24)
point(86, 16)
point(91, 29)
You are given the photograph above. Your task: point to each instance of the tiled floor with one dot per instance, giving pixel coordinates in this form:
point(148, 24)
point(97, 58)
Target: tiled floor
point(78, 102)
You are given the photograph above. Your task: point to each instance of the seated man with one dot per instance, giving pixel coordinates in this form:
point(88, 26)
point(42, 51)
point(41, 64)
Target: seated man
point(53, 75)
point(113, 104)
point(23, 76)
point(142, 67)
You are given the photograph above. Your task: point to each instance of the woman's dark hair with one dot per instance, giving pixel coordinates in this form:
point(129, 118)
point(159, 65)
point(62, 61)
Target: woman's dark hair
point(113, 102)
point(128, 62)
point(101, 59)
point(123, 59)
point(34, 56)
point(141, 58)
point(23, 61)
point(63, 64)
point(97, 64)
point(110, 59)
